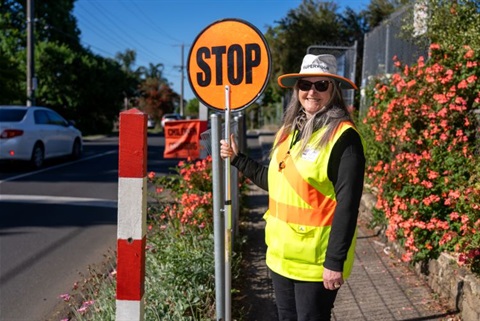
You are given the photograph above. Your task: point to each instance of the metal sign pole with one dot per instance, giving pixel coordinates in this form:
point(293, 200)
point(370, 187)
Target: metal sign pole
point(218, 220)
point(250, 66)
point(228, 215)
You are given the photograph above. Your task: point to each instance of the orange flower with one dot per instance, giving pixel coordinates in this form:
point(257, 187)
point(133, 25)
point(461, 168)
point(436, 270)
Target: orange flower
point(151, 175)
point(448, 77)
point(432, 174)
point(469, 54)
point(462, 84)
point(471, 64)
point(407, 257)
point(454, 216)
point(472, 79)
point(440, 98)
point(426, 184)
point(421, 62)
point(411, 83)
point(447, 237)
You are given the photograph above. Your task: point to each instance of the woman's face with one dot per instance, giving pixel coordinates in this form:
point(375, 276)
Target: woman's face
point(311, 99)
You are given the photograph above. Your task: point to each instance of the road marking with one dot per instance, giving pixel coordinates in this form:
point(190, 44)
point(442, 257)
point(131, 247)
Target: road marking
point(56, 166)
point(45, 199)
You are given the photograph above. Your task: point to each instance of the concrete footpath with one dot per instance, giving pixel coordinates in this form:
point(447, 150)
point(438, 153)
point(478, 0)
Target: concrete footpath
point(381, 287)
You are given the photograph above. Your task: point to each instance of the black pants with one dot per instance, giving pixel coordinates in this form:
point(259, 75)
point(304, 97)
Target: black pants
point(302, 301)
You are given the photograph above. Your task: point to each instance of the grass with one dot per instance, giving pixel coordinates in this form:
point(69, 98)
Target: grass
point(179, 280)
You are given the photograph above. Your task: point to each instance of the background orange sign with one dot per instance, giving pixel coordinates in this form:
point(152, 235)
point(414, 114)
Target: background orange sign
point(229, 52)
point(182, 138)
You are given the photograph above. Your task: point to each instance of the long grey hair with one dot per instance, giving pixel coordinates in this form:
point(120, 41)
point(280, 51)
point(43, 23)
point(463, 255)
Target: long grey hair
point(331, 116)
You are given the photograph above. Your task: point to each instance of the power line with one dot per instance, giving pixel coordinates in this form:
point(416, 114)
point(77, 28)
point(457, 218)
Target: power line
point(123, 35)
point(75, 38)
point(147, 19)
point(92, 29)
point(105, 23)
point(113, 33)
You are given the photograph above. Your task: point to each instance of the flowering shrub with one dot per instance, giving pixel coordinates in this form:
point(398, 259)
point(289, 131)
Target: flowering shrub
point(185, 200)
point(179, 266)
point(180, 281)
point(422, 132)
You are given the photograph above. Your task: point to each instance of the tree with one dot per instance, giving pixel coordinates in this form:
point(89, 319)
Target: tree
point(12, 60)
point(357, 26)
point(156, 98)
point(71, 79)
point(54, 21)
point(126, 59)
point(314, 22)
point(459, 18)
point(192, 108)
point(152, 71)
point(10, 80)
point(81, 85)
point(378, 10)
point(58, 69)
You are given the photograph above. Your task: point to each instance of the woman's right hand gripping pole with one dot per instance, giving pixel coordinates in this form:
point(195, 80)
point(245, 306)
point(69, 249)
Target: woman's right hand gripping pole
point(228, 149)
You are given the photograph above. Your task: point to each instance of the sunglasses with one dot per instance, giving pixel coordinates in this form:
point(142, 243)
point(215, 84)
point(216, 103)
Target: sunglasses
point(320, 86)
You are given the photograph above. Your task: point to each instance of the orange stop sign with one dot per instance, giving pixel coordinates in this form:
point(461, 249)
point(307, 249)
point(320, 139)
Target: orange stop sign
point(229, 52)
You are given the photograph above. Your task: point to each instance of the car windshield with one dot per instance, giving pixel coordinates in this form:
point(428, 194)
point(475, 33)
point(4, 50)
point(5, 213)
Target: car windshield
point(12, 115)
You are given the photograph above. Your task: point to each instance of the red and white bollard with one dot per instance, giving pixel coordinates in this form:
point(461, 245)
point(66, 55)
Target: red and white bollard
point(132, 216)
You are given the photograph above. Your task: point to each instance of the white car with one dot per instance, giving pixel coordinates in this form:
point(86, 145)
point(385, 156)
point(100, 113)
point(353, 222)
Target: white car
point(35, 134)
point(170, 117)
point(150, 122)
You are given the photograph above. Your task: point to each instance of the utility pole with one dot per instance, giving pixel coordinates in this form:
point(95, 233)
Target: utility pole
point(182, 70)
point(31, 80)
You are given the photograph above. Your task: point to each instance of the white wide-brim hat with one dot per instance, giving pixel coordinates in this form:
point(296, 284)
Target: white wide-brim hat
point(316, 66)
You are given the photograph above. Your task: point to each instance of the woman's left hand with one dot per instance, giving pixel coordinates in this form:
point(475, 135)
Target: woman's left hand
point(332, 280)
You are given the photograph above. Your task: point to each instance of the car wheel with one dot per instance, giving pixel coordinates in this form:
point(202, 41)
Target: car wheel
point(76, 149)
point(38, 156)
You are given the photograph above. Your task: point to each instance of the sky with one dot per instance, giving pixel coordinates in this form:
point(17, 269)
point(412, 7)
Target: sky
point(158, 29)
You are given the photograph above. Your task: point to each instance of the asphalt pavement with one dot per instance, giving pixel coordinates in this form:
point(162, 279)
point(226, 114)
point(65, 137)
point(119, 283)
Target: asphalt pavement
point(381, 287)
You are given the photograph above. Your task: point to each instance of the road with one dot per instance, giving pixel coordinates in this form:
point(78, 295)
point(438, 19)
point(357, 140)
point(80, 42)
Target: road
point(57, 221)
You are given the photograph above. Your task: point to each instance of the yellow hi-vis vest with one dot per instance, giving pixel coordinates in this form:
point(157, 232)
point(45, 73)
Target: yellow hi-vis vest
point(301, 209)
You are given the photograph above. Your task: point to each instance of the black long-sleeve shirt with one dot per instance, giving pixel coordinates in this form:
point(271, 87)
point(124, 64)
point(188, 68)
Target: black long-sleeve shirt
point(346, 168)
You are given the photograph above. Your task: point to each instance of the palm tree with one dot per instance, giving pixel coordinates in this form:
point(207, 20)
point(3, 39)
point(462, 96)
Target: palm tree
point(152, 71)
point(126, 59)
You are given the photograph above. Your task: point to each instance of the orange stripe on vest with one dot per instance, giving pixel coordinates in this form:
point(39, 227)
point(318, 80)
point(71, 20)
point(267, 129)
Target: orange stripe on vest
point(321, 213)
point(303, 216)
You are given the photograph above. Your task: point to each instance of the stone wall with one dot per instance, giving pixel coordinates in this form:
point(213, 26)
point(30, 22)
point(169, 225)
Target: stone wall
point(460, 287)
point(450, 281)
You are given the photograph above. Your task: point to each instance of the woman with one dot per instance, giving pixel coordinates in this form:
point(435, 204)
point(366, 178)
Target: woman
point(315, 182)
